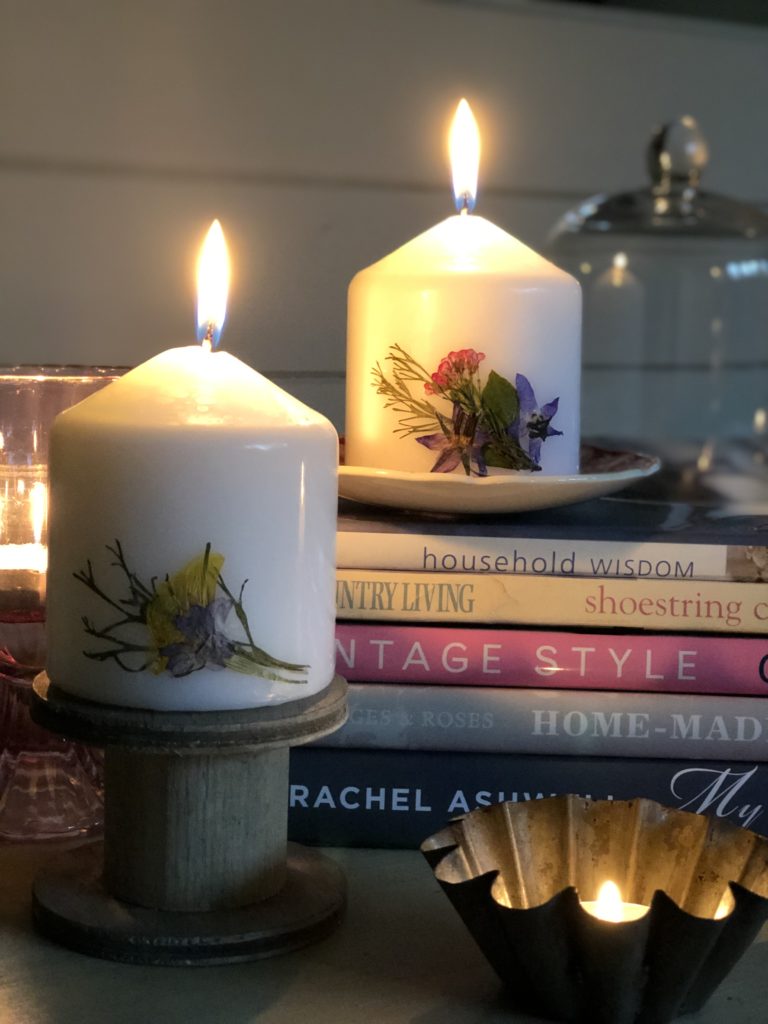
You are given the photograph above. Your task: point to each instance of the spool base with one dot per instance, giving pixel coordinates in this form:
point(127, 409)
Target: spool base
point(72, 907)
point(193, 868)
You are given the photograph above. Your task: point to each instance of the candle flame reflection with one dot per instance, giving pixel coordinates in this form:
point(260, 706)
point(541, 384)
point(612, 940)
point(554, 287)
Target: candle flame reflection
point(464, 147)
point(212, 286)
point(38, 507)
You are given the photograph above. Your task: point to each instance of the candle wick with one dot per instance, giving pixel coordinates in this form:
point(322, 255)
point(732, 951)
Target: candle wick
point(466, 204)
point(207, 341)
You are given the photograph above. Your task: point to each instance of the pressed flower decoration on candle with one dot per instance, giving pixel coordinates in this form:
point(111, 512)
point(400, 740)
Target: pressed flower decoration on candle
point(491, 422)
point(193, 621)
point(472, 343)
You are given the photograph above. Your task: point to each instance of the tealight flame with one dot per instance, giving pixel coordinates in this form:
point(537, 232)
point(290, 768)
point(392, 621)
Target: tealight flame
point(464, 147)
point(212, 286)
point(725, 906)
point(609, 906)
point(38, 507)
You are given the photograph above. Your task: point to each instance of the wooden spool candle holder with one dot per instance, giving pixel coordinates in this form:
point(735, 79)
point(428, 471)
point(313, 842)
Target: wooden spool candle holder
point(195, 867)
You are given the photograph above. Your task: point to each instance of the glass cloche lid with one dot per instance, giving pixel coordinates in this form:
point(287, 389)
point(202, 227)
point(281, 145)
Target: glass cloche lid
point(675, 291)
point(673, 203)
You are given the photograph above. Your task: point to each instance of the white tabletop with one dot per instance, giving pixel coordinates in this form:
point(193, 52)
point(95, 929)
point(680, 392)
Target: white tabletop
point(401, 956)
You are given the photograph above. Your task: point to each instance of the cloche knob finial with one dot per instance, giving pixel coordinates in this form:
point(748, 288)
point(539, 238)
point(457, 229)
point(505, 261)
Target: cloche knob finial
point(677, 154)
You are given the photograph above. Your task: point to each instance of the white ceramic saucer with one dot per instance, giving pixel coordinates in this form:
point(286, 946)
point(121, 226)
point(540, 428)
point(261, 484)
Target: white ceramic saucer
point(603, 471)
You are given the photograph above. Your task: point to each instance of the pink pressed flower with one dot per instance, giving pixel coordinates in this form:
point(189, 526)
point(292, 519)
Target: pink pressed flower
point(441, 379)
point(466, 359)
point(453, 369)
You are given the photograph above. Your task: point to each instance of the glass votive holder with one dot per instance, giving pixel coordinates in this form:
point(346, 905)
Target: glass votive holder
point(30, 399)
point(49, 787)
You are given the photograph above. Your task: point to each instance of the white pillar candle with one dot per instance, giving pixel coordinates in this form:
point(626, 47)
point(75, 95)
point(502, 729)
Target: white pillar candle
point(464, 349)
point(192, 539)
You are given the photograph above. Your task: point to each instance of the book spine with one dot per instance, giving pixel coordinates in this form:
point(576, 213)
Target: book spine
point(657, 605)
point(653, 662)
point(428, 552)
point(386, 798)
point(589, 723)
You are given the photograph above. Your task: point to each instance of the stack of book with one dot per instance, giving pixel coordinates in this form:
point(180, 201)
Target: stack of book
point(617, 648)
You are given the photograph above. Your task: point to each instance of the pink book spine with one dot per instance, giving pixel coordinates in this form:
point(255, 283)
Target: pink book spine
point(368, 652)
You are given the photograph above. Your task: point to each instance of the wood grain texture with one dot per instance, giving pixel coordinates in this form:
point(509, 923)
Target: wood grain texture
point(191, 732)
point(363, 90)
point(196, 803)
point(72, 907)
point(101, 270)
point(320, 143)
point(195, 833)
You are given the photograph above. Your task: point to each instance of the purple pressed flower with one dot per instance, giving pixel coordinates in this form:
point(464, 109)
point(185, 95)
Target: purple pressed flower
point(204, 644)
point(182, 660)
point(450, 452)
point(462, 445)
point(532, 425)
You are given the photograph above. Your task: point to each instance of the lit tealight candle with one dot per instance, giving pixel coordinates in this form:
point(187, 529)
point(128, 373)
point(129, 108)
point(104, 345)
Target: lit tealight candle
point(23, 554)
point(725, 906)
point(192, 532)
point(28, 504)
point(609, 906)
point(464, 348)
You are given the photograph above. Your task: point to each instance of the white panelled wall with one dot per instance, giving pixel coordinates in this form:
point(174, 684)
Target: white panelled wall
point(315, 130)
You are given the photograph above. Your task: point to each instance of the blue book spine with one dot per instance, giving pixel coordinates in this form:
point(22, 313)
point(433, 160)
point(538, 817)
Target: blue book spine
point(577, 723)
point(397, 798)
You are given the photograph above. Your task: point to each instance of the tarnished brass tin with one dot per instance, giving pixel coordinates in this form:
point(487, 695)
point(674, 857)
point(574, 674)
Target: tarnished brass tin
point(516, 873)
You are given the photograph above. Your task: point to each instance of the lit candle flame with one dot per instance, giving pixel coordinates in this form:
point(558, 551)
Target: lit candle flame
point(725, 906)
point(608, 906)
point(464, 146)
point(212, 286)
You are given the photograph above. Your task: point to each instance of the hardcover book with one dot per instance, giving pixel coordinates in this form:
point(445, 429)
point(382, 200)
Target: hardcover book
point(389, 798)
point(595, 723)
point(714, 606)
point(670, 526)
point(374, 652)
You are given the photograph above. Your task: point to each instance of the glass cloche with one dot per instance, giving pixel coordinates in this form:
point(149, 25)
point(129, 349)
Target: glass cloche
point(675, 284)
